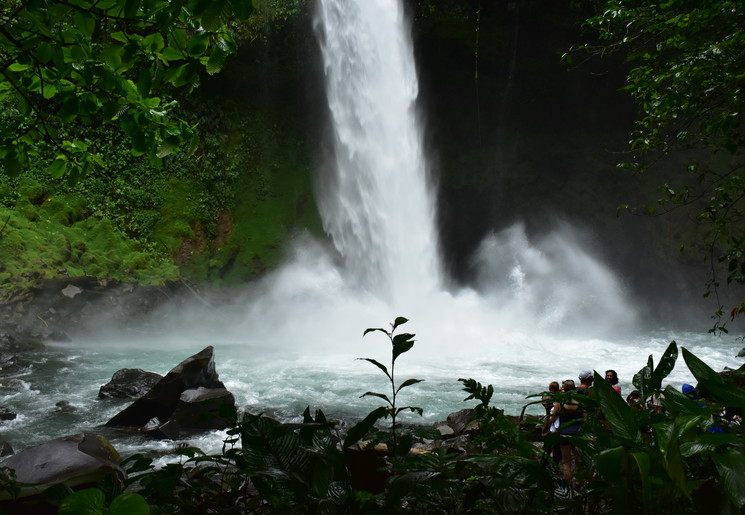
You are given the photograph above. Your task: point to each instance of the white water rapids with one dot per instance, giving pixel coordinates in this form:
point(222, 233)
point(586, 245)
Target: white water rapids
point(543, 309)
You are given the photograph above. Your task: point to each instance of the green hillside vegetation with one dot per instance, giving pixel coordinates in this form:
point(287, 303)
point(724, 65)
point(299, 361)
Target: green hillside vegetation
point(219, 215)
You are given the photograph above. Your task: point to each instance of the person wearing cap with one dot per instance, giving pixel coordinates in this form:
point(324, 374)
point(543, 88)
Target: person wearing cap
point(585, 379)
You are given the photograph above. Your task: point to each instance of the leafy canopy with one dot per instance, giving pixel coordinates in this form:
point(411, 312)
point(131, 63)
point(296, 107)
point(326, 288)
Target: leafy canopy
point(92, 62)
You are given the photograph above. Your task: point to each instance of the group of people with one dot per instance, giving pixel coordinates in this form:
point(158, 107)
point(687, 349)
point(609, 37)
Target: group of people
point(566, 418)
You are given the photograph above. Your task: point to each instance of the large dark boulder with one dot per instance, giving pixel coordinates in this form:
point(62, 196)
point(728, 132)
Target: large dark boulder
point(129, 383)
point(10, 349)
point(205, 408)
point(76, 460)
point(190, 396)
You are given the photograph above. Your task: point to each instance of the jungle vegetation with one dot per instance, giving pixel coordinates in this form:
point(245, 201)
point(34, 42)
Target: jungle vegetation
point(116, 164)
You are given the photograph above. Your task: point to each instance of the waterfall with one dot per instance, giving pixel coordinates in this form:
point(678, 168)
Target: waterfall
point(377, 205)
point(373, 197)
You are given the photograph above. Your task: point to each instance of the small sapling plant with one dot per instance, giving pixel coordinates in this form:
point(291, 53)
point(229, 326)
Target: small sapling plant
point(400, 343)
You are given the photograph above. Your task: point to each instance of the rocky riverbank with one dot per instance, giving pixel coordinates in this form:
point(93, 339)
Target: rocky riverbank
point(55, 309)
point(189, 398)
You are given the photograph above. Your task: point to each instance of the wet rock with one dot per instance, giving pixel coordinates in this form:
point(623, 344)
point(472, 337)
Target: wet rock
point(444, 429)
point(462, 422)
point(10, 364)
point(54, 309)
point(191, 396)
point(5, 449)
point(129, 383)
point(6, 414)
point(76, 460)
point(165, 431)
point(205, 408)
point(18, 385)
point(70, 291)
point(64, 406)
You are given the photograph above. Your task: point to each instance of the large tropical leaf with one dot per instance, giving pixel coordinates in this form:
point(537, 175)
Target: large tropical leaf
point(271, 448)
point(731, 468)
point(642, 380)
point(622, 418)
point(84, 502)
point(675, 402)
point(665, 365)
point(700, 370)
point(364, 426)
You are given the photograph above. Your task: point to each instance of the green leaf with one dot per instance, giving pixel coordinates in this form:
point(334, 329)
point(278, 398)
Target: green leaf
point(375, 394)
point(129, 504)
point(119, 36)
point(154, 42)
point(84, 502)
point(666, 436)
point(731, 468)
point(198, 43)
point(610, 464)
point(216, 61)
point(402, 343)
point(242, 8)
point(413, 409)
point(166, 148)
point(622, 418)
point(44, 52)
point(642, 379)
point(399, 321)
point(85, 23)
point(173, 54)
point(644, 465)
point(16, 67)
point(408, 382)
point(700, 370)
point(49, 91)
point(665, 365)
point(373, 329)
point(724, 394)
point(11, 163)
point(57, 168)
point(215, 14)
point(377, 364)
point(131, 7)
point(359, 430)
point(675, 402)
point(706, 442)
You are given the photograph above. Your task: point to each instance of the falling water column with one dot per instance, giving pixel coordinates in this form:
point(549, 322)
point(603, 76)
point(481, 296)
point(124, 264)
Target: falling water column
point(373, 196)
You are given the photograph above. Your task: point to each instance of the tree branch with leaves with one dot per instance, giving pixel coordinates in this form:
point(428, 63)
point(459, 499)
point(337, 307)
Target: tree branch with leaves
point(95, 62)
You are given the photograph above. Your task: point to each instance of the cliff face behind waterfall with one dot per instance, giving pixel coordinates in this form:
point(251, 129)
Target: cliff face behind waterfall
point(512, 135)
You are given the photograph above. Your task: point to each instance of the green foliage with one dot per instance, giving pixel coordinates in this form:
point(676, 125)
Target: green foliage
point(121, 62)
point(91, 502)
point(220, 215)
point(649, 379)
point(637, 460)
point(400, 343)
